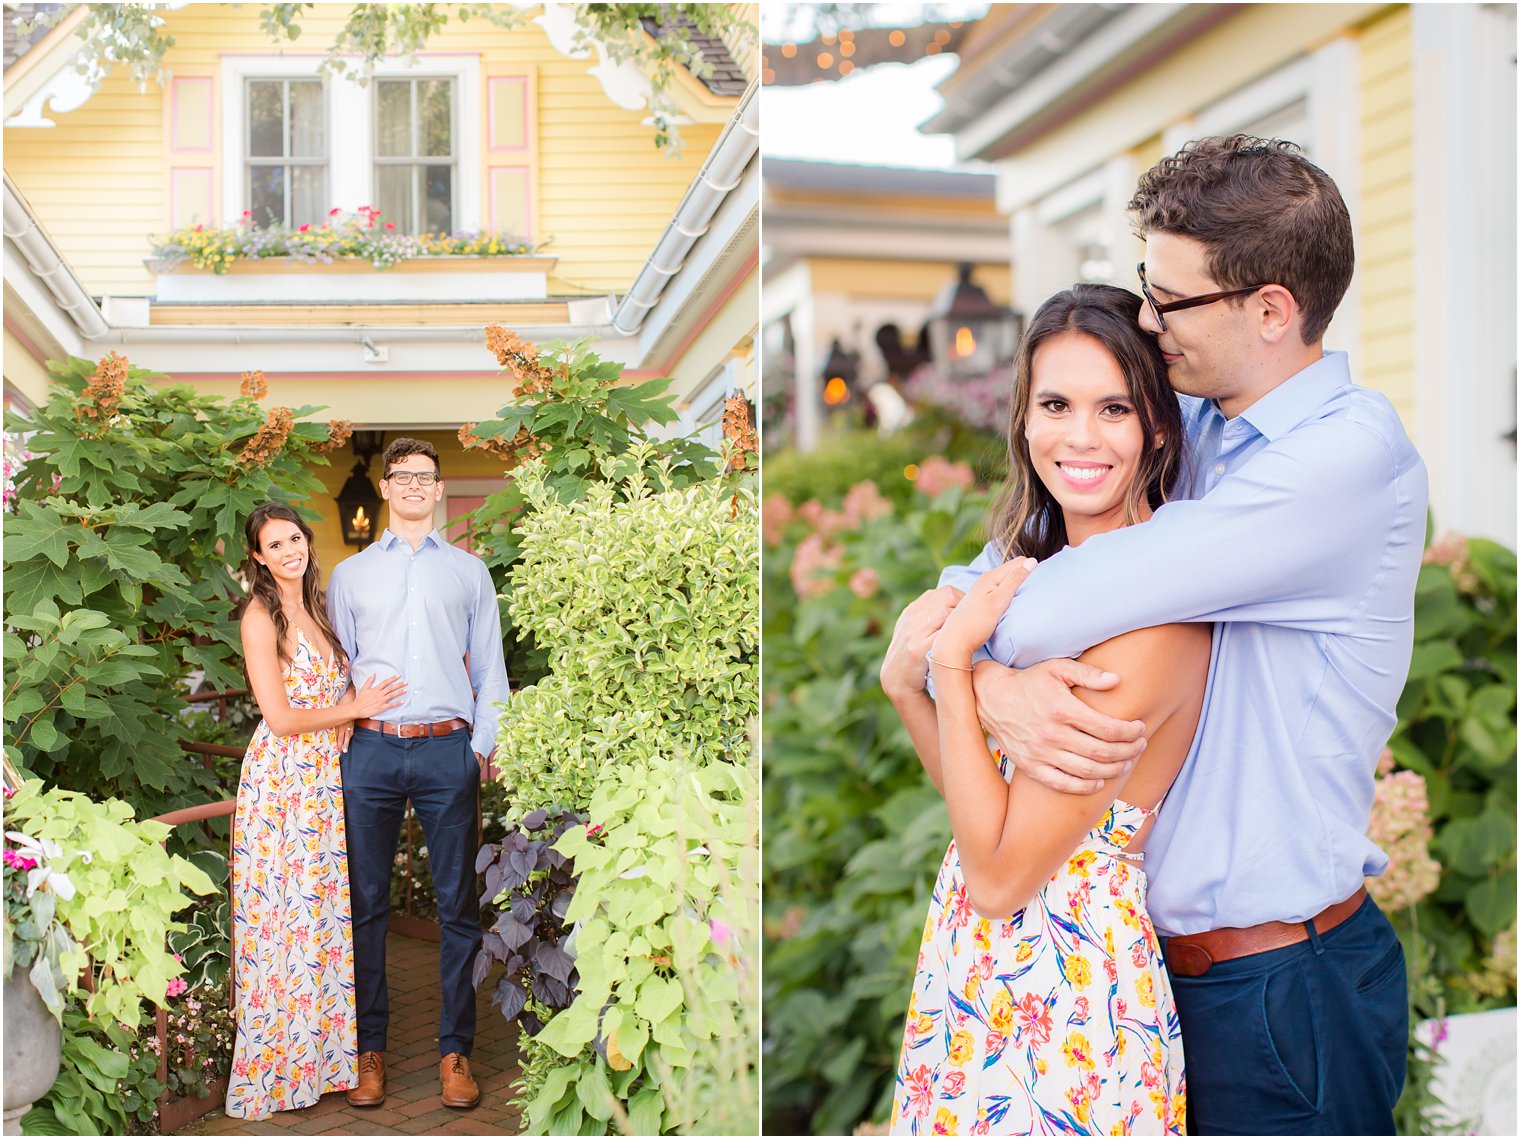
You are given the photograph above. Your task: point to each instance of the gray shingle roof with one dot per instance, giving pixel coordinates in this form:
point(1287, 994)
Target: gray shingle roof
point(727, 76)
point(16, 44)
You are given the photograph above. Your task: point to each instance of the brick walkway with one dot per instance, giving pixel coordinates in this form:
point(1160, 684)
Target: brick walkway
point(412, 1105)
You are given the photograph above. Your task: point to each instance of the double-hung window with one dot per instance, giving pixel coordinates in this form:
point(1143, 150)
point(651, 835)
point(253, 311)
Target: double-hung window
point(415, 154)
point(285, 155)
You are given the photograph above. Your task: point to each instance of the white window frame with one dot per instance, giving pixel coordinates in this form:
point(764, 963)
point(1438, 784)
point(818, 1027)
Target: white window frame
point(351, 127)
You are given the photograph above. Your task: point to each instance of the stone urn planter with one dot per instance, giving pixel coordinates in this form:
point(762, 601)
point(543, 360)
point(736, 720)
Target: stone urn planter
point(33, 1049)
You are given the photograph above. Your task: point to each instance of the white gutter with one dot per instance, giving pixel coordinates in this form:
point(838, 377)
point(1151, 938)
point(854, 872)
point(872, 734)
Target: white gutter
point(24, 231)
point(721, 173)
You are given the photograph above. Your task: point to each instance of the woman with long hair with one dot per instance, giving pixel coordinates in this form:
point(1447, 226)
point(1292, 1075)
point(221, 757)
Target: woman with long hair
point(292, 943)
point(1040, 1002)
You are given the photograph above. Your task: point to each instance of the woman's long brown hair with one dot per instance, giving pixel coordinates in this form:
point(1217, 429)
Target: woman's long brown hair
point(261, 583)
point(1026, 520)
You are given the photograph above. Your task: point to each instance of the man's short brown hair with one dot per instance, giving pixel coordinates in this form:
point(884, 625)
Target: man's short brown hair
point(1264, 213)
point(402, 448)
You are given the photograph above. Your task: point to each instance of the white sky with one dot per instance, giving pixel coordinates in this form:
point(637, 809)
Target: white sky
point(869, 117)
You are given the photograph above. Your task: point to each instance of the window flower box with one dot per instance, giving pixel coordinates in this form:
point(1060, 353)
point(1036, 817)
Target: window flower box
point(290, 279)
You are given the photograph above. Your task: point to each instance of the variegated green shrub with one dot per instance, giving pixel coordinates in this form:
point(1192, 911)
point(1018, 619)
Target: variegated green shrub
point(647, 602)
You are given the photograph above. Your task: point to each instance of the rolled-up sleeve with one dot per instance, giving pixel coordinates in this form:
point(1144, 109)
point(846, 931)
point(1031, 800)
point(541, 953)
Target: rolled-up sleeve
point(488, 666)
point(1294, 538)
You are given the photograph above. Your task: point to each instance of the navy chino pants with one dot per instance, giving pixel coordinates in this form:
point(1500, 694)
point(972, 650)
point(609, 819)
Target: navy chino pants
point(1310, 1039)
point(441, 777)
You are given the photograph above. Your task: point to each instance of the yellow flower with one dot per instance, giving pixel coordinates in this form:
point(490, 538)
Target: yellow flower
point(924, 1025)
point(961, 1046)
point(1039, 1066)
point(945, 1123)
point(1145, 989)
point(982, 934)
point(973, 983)
point(1078, 970)
point(1077, 1052)
point(1024, 952)
point(1079, 863)
point(1002, 1012)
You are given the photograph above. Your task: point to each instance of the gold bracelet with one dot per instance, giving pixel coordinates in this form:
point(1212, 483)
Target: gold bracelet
point(942, 664)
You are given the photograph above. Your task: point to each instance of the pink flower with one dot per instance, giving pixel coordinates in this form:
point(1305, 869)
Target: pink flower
point(720, 931)
point(176, 987)
point(864, 582)
point(776, 515)
point(305, 227)
point(937, 474)
point(813, 566)
point(390, 225)
point(334, 212)
point(953, 1085)
point(247, 213)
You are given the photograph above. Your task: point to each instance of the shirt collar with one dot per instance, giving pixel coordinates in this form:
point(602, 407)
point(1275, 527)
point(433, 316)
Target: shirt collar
point(388, 538)
point(1296, 398)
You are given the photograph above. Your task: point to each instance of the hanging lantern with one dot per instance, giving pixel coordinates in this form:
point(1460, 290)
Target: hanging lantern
point(839, 372)
point(968, 334)
point(358, 501)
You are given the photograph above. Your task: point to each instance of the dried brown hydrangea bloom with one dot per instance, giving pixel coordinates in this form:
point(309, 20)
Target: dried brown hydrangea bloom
point(102, 393)
point(519, 358)
point(740, 433)
point(339, 432)
point(262, 449)
point(254, 385)
point(502, 449)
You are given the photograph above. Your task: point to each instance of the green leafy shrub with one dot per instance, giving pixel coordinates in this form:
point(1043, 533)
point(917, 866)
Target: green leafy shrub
point(853, 829)
point(107, 1083)
point(117, 585)
point(584, 428)
point(643, 594)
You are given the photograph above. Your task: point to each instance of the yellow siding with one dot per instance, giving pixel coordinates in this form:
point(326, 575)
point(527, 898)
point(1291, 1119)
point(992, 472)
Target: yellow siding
point(1385, 221)
point(858, 277)
point(604, 193)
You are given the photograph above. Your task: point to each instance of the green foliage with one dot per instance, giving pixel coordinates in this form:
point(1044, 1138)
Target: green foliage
point(645, 608)
point(852, 455)
point(584, 429)
point(1457, 729)
point(127, 889)
point(853, 829)
point(619, 30)
point(117, 585)
point(104, 1084)
point(644, 595)
point(200, 1028)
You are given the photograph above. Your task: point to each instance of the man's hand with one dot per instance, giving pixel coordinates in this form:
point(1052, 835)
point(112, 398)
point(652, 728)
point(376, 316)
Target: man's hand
point(1049, 733)
point(487, 769)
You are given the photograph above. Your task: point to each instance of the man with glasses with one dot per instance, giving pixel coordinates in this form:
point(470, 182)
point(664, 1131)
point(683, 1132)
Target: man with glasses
point(1300, 537)
point(413, 605)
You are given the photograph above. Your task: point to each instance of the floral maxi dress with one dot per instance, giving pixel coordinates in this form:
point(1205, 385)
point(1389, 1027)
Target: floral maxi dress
point(1057, 1020)
point(292, 940)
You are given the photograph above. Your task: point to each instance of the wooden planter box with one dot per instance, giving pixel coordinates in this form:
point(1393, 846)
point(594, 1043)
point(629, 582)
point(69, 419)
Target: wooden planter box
point(286, 280)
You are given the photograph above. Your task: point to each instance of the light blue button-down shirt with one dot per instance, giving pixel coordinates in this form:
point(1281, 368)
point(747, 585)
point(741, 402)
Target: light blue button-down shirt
point(1301, 538)
point(419, 614)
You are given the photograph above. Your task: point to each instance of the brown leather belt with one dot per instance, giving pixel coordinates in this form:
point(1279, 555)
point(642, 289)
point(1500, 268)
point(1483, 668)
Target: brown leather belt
point(1193, 954)
point(413, 731)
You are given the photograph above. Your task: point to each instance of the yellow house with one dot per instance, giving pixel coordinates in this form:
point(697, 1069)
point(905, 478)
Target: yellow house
point(515, 131)
point(1411, 108)
point(850, 249)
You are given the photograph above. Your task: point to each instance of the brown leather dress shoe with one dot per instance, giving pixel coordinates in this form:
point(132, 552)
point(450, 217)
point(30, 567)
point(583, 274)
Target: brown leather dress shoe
point(459, 1088)
point(371, 1089)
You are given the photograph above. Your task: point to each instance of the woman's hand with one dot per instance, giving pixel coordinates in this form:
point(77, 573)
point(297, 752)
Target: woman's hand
point(973, 620)
point(374, 698)
point(905, 666)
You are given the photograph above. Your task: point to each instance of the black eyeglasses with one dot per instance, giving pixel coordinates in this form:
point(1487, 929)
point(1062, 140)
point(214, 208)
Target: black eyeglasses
point(1187, 302)
point(404, 478)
